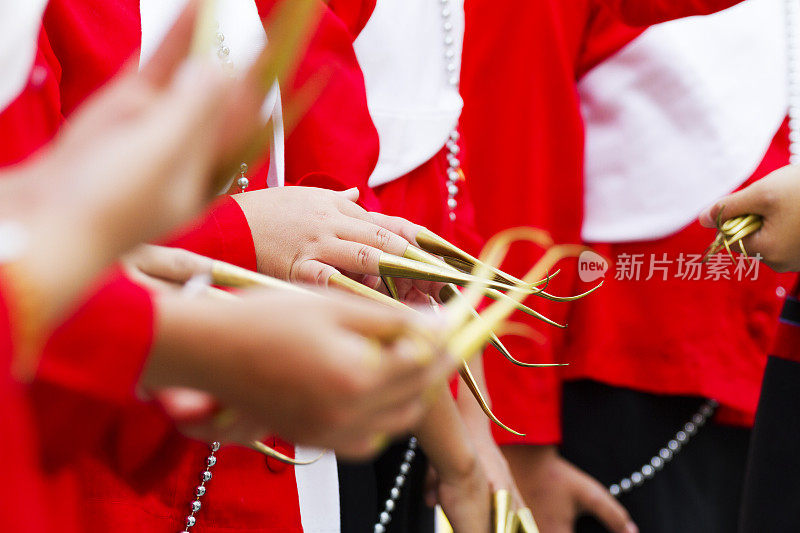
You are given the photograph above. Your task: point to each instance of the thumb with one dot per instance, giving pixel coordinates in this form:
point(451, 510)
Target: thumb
point(593, 498)
point(749, 200)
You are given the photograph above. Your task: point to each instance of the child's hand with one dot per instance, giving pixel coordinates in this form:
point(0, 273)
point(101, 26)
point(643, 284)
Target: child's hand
point(777, 199)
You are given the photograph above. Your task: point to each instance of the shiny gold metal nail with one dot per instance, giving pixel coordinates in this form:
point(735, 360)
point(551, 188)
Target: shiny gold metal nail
point(432, 243)
point(442, 523)
point(400, 267)
point(340, 281)
point(227, 275)
point(731, 233)
point(474, 388)
point(391, 287)
point(466, 341)
point(278, 456)
point(526, 522)
point(501, 509)
point(449, 292)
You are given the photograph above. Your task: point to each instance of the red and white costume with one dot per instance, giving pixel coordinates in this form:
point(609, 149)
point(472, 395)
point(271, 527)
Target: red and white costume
point(144, 475)
point(666, 133)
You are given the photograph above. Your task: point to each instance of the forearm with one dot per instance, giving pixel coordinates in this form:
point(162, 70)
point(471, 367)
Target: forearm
point(444, 437)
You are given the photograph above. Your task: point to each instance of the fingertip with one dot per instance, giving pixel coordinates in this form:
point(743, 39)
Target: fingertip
point(630, 527)
point(705, 218)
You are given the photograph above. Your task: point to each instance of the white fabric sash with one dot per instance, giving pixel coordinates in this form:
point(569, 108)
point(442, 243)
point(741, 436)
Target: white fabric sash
point(20, 22)
point(401, 52)
point(681, 116)
point(244, 34)
point(318, 491)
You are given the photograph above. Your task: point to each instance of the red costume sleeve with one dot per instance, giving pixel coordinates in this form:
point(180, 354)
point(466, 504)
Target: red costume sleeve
point(646, 12)
point(223, 233)
point(100, 350)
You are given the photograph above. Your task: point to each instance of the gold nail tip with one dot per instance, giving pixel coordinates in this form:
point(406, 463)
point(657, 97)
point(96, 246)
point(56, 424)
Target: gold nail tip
point(278, 456)
point(548, 296)
point(472, 385)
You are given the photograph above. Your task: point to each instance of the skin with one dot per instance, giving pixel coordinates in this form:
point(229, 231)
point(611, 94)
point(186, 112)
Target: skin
point(776, 198)
point(479, 429)
point(306, 234)
point(457, 480)
point(336, 388)
point(558, 492)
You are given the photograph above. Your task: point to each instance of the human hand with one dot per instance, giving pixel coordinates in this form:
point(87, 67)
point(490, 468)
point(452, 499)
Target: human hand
point(558, 492)
point(334, 373)
point(304, 234)
point(465, 499)
point(776, 198)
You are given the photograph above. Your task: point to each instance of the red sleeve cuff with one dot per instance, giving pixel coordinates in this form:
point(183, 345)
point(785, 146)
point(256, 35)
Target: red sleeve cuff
point(99, 352)
point(526, 399)
point(223, 234)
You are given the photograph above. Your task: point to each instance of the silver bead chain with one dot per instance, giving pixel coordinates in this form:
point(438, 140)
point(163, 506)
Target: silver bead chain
point(394, 495)
point(224, 55)
point(452, 65)
point(792, 9)
point(668, 452)
point(200, 491)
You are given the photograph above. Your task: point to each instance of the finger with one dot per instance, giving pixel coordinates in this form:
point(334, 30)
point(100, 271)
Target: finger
point(350, 195)
point(312, 272)
point(749, 200)
point(374, 320)
point(170, 264)
point(360, 231)
point(594, 499)
point(161, 68)
point(397, 225)
point(351, 256)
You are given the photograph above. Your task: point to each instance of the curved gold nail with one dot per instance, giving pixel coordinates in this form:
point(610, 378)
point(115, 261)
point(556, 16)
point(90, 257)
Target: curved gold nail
point(430, 242)
point(553, 298)
point(526, 522)
point(227, 275)
point(497, 296)
point(278, 456)
point(472, 385)
point(470, 338)
point(449, 292)
point(400, 267)
point(340, 281)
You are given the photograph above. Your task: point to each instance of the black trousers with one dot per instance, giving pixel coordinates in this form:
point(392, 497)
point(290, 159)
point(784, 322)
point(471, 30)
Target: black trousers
point(772, 487)
point(365, 487)
point(611, 432)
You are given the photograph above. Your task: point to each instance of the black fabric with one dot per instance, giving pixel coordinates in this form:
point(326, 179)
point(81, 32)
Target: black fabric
point(610, 432)
point(791, 310)
point(365, 487)
point(771, 499)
